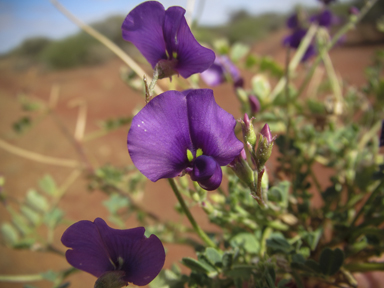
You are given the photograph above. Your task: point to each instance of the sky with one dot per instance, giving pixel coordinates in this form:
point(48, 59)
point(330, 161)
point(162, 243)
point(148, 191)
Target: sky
point(21, 19)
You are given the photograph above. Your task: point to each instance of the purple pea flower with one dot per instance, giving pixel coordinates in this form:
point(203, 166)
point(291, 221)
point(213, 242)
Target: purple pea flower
point(216, 74)
point(293, 21)
point(294, 41)
point(107, 253)
point(183, 132)
point(325, 18)
point(165, 40)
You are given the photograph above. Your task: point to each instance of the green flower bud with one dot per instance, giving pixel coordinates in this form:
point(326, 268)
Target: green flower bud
point(249, 134)
point(264, 148)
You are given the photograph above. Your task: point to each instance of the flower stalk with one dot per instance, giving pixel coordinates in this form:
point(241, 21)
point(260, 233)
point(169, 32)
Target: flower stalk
point(192, 220)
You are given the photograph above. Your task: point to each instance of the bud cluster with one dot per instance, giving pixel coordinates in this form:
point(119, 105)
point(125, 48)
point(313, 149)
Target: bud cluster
point(260, 150)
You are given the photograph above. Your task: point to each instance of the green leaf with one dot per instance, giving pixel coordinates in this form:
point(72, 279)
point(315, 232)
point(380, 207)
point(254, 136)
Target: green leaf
point(50, 275)
point(298, 258)
point(283, 283)
point(316, 107)
point(20, 223)
point(115, 203)
point(261, 87)
point(48, 185)
point(240, 271)
point(277, 243)
point(246, 240)
point(33, 216)
point(238, 51)
point(53, 218)
point(195, 265)
point(227, 260)
point(312, 238)
point(213, 256)
point(37, 201)
point(9, 234)
point(331, 260)
point(313, 265)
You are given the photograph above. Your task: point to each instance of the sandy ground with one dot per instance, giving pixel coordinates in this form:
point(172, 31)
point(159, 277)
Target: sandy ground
point(106, 97)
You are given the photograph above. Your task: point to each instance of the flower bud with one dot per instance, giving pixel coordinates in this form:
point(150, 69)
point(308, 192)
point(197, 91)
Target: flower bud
point(254, 104)
point(111, 279)
point(249, 134)
point(264, 148)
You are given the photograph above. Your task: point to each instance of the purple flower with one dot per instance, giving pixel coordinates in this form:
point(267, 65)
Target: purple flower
point(216, 74)
point(325, 18)
point(183, 132)
point(165, 40)
point(293, 21)
point(103, 251)
point(294, 41)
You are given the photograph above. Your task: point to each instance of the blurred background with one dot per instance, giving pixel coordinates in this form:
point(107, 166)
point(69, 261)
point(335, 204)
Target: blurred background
point(45, 60)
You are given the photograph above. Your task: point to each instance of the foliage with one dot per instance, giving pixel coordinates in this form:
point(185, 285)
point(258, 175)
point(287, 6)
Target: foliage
point(289, 240)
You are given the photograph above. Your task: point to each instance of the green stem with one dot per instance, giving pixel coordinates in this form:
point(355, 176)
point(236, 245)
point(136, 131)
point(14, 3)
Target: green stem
point(335, 84)
point(368, 202)
point(369, 135)
point(364, 267)
point(21, 278)
point(295, 61)
point(266, 234)
point(105, 41)
point(192, 220)
point(351, 24)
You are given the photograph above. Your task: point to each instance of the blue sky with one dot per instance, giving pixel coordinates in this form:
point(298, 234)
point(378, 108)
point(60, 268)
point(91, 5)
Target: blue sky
point(21, 19)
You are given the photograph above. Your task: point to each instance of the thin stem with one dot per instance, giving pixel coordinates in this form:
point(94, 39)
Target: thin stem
point(368, 202)
point(335, 84)
point(364, 267)
point(369, 135)
point(351, 24)
point(295, 60)
point(38, 157)
point(105, 41)
point(192, 220)
point(21, 278)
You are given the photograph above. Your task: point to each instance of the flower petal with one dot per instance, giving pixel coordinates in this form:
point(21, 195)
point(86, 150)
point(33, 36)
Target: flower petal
point(142, 258)
point(213, 76)
point(159, 137)
point(211, 127)
point(88, 251)
point(192, 57)
point(214, 181)
point(143, 26)
point(203, 168)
